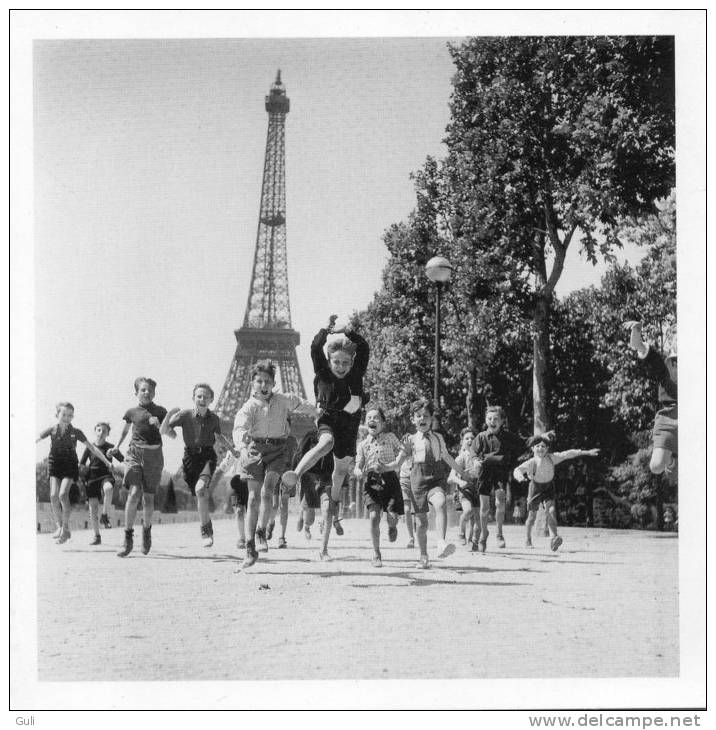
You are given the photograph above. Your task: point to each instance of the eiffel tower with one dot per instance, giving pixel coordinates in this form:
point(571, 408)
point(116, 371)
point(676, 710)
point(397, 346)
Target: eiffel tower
point(266, 332)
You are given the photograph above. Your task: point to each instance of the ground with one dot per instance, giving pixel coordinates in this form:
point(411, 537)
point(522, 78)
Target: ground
point(604, 605)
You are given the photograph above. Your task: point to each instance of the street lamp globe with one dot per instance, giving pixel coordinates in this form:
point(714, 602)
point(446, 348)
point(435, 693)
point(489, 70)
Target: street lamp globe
point(438, 269)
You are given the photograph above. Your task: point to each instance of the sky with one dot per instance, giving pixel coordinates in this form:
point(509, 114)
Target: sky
point(148, 163)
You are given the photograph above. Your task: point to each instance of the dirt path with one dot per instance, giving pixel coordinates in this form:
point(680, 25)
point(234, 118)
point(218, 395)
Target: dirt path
point(605, 605)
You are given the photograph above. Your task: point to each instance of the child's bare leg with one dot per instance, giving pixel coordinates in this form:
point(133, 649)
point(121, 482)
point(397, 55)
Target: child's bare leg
point(465, 517)
point(65, 502)
point(309, 516)
point(311, 457)
point(422, 530)
point(409, 520)
point(268, 488)
point(551, 515)
point(529, 524)
point(108, 491)
point(375, 528)
point(240, 522)
point(55, 505)
point(484, 514)
point(340, 470)
point(439, 502)
point(500, 505)
point(252, 508)
point(94, 514)
point(202, 499)
point(327, 510)
point(130, 509)
point(148, 501)
point(660, 460)
point(283, 513)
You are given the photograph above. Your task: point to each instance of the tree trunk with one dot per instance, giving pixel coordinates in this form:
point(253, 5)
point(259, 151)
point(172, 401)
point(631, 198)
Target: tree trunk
point(472, 401)
point(541, 364)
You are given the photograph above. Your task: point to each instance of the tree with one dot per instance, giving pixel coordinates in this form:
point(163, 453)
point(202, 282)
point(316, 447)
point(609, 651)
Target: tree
point(552, 140)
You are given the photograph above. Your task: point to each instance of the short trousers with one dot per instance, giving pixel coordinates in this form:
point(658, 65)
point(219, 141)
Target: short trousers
point(197, 463)
point(383, 491)
point(344, 427)
point(541, 492)
point(271, 457)
point(486, 488)
point(471, 494)
point(312, 490)
point(143, 468)
point(94, 489)
point(666, 433)
point(63, 466)
point(240, 488)
point(423, 485)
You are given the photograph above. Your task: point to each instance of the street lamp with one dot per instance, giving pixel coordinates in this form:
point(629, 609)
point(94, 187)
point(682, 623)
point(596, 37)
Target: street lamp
point(439, 270)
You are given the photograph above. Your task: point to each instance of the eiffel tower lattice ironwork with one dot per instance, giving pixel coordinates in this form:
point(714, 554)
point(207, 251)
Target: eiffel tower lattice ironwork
point(266, 332)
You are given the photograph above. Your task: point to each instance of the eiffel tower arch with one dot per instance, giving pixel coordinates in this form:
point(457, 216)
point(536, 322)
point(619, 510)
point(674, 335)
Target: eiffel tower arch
point(266, 332)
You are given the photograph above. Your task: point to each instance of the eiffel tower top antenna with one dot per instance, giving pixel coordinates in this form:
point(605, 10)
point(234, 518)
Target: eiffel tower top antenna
point(266, 332)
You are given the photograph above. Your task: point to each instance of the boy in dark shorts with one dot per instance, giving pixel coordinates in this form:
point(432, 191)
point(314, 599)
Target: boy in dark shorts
point(143, 463)
point(99, 481)
point(261, 430)
point(315, 485)
point(466, 489)
point(664, 371)
point(200, 427)
point(63, 465)
point(338, 385)
point(496, 451)
point(540, 471)
point(281, 497)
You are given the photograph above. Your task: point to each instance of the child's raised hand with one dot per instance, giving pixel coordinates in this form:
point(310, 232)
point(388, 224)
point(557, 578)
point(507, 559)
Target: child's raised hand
point(593, 452)
point(332, 323)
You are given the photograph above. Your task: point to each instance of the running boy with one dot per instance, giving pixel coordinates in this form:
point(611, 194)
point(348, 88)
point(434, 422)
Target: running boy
point(64, 466)
point(540, 471)
point(466, 488)
point(427, 448)
point(338, 385)
point(260, 434)
point(377, 459)
point(99, 481)
point(664, 370)
point(143, 463)
point(495, 451)
point(200, 427)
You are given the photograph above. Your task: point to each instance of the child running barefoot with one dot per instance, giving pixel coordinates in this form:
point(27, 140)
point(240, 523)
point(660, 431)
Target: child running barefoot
point(261, 430)
point(664, 370)
point(496, 451)
point(427, 450)
point(143, 463)
point(540, 471)
point(99, 481)
point(200, 427)
point(338, 386)
point(377, 459)
point(467, 488)
point(63, 465)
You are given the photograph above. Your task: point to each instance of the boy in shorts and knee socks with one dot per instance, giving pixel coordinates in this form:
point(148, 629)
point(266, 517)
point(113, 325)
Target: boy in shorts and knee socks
point(143, 463)
point(338, 385)
point(261, 430)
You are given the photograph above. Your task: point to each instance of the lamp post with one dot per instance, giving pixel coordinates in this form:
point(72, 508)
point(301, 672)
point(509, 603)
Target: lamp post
point(439, 271)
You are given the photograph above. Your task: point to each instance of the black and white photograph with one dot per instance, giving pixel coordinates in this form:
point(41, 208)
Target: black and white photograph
point(344, 356)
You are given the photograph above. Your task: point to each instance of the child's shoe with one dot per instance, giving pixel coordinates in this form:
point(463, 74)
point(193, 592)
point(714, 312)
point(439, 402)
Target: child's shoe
point(146, 539)
point(261, 540)
point(324, 556)
point(307, 532)
point(411, 544)
point(128, 544)
point(445, 549)
point(57, 532)
point(555, 543)
point(423, 562)
point(64, 536)
point(241, 544)
point(377, 562)
point(500, 541)
point(96, 540)
point(104, 521)
point(528, 544)
point(461, 537)
point(482, 542)
point(282, 544)
point(207, 535)
point(337, 526)
point(270, 529)
point(251, 555)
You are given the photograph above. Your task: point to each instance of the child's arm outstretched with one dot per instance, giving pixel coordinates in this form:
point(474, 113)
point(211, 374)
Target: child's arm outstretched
point(114, 451)
point(318, 355)
point(171, 420)
point(453, 477)
point(522, 470)
point(91, 447)
point(560, 456)
point(651, 358)
point(44, 434)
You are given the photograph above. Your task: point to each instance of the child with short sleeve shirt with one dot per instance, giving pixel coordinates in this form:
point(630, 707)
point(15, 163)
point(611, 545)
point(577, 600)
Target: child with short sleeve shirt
point(63, 465)
point(144, 461)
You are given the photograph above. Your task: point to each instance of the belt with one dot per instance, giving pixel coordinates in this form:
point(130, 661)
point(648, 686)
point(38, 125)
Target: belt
point(146, 446)
point(268, 440)
point(198, 449)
